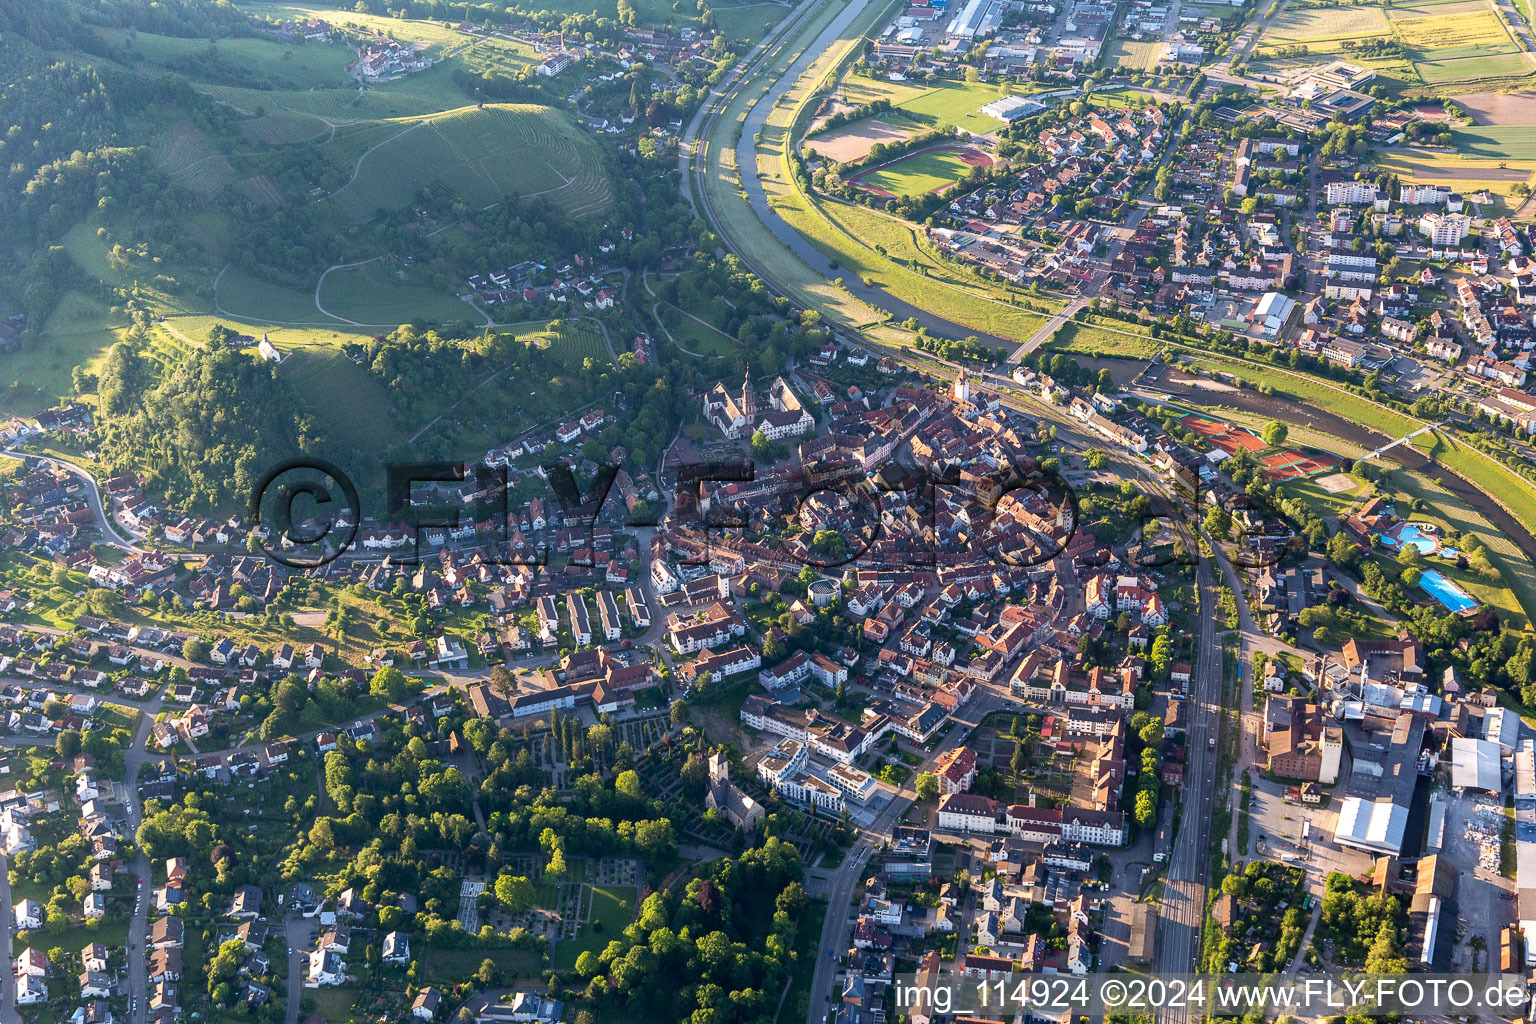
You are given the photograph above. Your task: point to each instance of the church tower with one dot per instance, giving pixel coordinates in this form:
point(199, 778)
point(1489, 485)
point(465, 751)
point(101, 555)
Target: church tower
point(748, 402)
point(962, 388)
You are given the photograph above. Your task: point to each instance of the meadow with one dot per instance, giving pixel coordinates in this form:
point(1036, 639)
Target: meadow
point(482, 155)
point(383, 293)
point(1466, 175)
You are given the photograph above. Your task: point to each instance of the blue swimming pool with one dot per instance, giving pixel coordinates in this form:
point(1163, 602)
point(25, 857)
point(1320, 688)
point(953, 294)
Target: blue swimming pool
point(1446, 592)
point(1409, 533)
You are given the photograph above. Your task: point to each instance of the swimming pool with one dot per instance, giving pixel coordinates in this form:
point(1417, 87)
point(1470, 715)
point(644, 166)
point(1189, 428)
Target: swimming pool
point(1446, 592)
point(1410, 533)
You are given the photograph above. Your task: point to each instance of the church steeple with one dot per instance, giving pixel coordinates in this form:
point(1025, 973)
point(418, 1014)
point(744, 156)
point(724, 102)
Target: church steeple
point(748, 399)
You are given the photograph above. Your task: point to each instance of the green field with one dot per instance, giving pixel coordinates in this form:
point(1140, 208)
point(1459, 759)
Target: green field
point(612, 909)
point(80, 332)
point(749, 21)
point(1496, 142)
point(351, 404)
point(923, 106)
point(1467, 69)
point(481, 155)
point(1087, 339)
point(283, 65)
point(381, 293)
point(917, 175)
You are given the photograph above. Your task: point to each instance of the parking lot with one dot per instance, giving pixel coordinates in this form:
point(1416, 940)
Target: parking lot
point(1278, 825)
point(1484, 897)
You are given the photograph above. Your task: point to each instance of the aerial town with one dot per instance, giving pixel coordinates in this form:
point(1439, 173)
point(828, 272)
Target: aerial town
point(736, 514)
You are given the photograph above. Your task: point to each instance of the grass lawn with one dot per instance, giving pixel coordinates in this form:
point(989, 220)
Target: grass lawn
point(612, 908)
point(956, 103)
point(1318, 498)
point(750, 21)
point(80, 331)
point(285, 65)
point(1467, 69)
point(257, 300)
point(695, 337)
point(351, 403)
point(452, 966)
point(1087, 339)
point(332, 1004)
point(918, 175)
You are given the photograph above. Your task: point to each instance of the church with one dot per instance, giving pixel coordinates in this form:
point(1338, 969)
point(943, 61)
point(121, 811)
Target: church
point(732, 415)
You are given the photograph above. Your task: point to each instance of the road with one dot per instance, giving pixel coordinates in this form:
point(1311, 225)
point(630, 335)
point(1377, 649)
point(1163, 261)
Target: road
point(837, 929)
point(138, 928)
point(93, 498)
point(8, 1014)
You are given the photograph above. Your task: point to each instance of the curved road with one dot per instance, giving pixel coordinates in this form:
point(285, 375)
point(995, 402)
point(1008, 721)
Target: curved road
point(93, 498)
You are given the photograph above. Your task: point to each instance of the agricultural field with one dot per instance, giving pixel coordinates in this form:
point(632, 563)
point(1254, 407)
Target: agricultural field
point(932, 170)
point(1498, 108)
point(352, 406)
point(482, 155)
point(1132, 54)
point(1457, 42)
point(1309, 23)
point(1465, 175)
point(186, 154)
point(1517, 142)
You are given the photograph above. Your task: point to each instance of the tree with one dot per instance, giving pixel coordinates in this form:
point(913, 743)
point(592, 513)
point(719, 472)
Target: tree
point(194, 649)
point(68, 743)
point(927, 785)
point(679, 713)
point(628, 784)
point(514, 893)
point(1410, 578)
point(1274, 433)
point(762, 447)
point(390, 684)
point(1146, 809)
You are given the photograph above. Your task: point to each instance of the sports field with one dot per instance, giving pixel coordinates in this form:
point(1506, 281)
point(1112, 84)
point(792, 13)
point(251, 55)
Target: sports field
point(921, 107)
point(479, 156)
point(929, 171)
